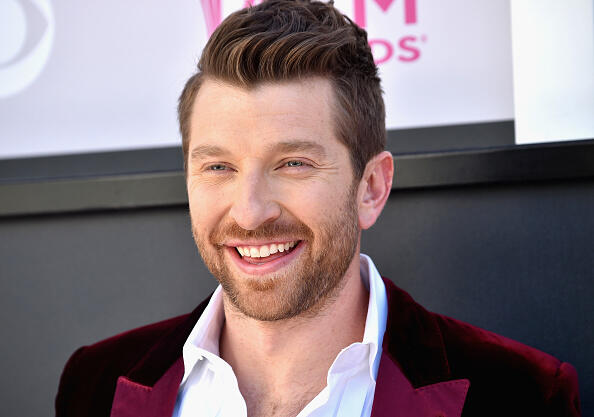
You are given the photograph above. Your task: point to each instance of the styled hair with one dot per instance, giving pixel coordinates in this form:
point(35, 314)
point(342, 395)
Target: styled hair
point(286, 40)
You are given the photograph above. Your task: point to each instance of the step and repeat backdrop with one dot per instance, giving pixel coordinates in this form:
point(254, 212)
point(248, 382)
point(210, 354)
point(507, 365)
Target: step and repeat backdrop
point(96, 76)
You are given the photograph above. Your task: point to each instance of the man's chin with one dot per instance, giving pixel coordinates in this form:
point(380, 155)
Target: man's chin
point(266, 297)
point(260, 299)
point(298, 288)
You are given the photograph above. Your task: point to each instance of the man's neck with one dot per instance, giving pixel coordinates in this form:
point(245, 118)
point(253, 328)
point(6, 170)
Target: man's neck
point(281, 366)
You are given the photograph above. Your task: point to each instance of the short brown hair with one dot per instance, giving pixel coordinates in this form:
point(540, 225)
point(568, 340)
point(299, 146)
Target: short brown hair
point(284, 40)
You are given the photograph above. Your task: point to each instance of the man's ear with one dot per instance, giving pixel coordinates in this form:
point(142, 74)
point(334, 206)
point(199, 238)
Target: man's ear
point(374, 188)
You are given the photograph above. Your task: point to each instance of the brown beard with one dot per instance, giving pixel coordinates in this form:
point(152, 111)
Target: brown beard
point(304, 287)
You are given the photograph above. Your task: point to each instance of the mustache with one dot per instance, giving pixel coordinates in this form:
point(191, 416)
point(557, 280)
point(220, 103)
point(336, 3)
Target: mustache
point(267, 231)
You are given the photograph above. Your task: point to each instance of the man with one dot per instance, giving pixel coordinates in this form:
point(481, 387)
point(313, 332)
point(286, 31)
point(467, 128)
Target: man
point(283, 136)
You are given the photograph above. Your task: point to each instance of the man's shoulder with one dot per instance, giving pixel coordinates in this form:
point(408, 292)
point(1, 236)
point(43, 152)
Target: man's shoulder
point(90, 376)
point(123, 350)
point(474, 351)
point(469, 347)
point(499, 367)
point(506, 377)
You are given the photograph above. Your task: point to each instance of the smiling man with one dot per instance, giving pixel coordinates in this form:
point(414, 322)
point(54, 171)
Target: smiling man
point(283, 137)
point(276, 211)
point(273, 198)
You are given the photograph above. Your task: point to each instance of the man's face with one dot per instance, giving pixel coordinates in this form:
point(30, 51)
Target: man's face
point(272, 197)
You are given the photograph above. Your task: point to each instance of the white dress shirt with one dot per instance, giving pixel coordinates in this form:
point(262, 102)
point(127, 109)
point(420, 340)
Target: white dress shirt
point(209, 385)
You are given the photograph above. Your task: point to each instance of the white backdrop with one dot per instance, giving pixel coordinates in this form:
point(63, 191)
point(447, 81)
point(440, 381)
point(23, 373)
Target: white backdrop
point(553, 54)
point(90, 76)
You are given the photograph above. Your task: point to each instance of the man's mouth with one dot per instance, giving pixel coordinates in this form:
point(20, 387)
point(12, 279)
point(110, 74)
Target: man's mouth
point(265, 253)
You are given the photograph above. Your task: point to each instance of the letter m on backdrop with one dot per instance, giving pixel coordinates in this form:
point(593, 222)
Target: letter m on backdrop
point(410, 11)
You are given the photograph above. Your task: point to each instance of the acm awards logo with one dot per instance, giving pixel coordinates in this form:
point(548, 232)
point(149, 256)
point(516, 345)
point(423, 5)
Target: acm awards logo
point(27, 35)
point(404, 49)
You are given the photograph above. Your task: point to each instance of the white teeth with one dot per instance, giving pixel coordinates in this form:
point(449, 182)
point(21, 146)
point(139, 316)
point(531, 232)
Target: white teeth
point(264, 250)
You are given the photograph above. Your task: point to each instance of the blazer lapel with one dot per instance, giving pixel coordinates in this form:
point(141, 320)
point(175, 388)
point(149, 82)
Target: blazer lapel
point(395, 396)
point(414, 378)
point(133, 399)
point(150, 388)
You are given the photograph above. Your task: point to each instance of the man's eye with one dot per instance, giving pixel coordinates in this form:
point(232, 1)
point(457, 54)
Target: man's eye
point(217, 167)
point(294, 164)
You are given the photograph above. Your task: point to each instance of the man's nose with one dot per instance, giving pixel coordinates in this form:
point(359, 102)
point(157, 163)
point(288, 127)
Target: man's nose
point(254, 203)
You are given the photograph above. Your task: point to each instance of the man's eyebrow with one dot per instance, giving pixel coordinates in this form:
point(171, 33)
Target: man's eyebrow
point(205, 151)
point(298, 146)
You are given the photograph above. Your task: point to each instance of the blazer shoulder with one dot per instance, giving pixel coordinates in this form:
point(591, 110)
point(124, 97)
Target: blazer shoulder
point(90, 376)
point(123, 350)
point(499, 367)
point(133, 342)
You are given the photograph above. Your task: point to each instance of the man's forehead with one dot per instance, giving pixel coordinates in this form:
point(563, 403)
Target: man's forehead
point(215, 91)
point(287, 116)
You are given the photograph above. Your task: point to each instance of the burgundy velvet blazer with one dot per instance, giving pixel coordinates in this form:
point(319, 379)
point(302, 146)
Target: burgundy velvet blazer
point(431, 365)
